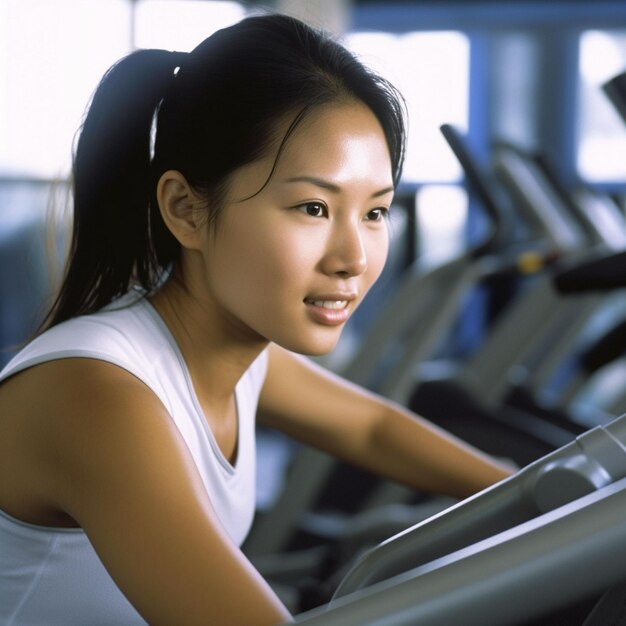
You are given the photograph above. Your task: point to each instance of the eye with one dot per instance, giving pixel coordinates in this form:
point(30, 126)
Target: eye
point(313, 209)
point(377, 215)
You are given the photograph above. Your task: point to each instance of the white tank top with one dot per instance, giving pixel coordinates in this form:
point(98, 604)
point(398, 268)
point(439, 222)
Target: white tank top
point(52, 576)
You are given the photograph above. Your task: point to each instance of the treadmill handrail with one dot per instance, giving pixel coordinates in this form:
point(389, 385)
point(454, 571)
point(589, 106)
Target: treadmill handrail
point(540, 202)
point(478, 183)
point(588, 463)
point(529, 570)
point(604, 272)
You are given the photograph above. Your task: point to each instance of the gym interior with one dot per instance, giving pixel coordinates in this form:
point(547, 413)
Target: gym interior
point(500, 315)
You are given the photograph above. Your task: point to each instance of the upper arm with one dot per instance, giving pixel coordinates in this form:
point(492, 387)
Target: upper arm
point(314, 405)
point(115, 462)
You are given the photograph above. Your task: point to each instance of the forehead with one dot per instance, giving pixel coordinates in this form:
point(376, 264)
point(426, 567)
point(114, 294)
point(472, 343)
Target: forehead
point(337, 140)
point(342, 143)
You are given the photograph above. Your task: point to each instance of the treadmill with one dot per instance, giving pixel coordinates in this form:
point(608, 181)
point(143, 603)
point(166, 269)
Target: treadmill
point(544, 546)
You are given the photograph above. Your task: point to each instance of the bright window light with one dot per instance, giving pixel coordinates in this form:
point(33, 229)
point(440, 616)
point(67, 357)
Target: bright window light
point(54, 52)
point(182, 24)
point(431, 70)
point(601, 56)
point(442, 220)
point(602, 133)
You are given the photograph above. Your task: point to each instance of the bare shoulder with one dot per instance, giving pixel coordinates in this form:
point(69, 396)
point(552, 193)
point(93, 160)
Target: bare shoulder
point(62, 398)
point(50, 415)
point(99, 447)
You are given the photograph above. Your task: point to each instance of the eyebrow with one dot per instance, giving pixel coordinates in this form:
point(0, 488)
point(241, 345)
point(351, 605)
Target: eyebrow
point(325, 184)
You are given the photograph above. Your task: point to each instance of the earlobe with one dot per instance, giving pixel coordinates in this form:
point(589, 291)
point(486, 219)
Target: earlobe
point(180, 209)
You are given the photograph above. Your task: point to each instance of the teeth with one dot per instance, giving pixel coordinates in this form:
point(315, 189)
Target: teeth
point(331, 304)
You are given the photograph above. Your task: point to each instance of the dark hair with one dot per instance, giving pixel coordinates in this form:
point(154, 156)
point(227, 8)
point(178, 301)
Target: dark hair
point(206, 113)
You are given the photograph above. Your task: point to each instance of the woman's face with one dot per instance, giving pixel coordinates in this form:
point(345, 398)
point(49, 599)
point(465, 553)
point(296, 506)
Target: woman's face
point(291, 263)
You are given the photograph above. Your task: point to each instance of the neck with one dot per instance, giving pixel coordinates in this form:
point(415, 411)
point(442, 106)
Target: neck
point(217, 348)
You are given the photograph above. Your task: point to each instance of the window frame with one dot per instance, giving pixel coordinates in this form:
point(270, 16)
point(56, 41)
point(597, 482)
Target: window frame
point(558, 25)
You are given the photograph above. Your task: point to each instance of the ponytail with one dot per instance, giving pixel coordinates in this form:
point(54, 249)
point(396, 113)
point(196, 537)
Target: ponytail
point(111, 239)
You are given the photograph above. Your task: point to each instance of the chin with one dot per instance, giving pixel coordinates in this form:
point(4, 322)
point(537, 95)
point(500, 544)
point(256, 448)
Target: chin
point(313, 347)
point(317, 352)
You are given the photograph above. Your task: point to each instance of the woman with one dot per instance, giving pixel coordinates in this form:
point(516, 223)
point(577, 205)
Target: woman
point(230, 212)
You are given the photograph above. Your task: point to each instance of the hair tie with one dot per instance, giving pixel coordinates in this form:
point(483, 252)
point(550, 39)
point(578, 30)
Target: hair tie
point(177, 60)
point(174, 60)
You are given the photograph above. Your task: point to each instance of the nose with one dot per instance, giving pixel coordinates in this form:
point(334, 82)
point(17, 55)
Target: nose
point(346, 253)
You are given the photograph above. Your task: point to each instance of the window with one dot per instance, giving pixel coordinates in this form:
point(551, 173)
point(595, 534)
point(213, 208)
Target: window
point(54, 52)
point(602, 133)
point(431, 70)
point(194, 21)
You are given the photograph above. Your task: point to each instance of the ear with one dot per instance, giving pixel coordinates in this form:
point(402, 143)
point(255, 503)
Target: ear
point(181, 209)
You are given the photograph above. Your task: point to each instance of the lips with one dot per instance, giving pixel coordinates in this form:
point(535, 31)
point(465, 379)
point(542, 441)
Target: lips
point(329, 309)
point(328, 304)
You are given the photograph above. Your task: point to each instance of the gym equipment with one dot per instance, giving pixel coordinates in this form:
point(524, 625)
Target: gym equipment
point(529, 547)
point(490, 399)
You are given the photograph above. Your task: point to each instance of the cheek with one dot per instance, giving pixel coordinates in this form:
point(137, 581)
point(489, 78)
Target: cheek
point(256, 265)
point(377, 251)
